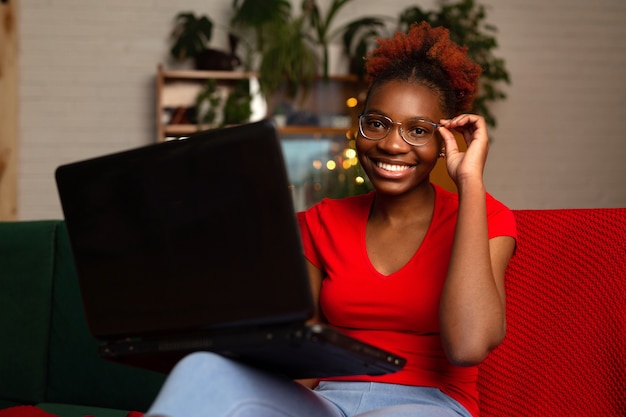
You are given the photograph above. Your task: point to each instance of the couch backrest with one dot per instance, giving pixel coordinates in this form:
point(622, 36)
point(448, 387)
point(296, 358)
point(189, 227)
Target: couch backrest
point(565, 349)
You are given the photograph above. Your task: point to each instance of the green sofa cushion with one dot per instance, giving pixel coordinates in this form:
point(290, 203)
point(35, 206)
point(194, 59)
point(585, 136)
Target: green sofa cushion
point(26, 276)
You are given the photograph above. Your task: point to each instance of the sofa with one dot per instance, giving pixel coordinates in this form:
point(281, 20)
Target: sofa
point(564, 353)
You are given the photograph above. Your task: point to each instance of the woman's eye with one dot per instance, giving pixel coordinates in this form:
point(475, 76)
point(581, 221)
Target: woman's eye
point(376, 124)
point(419, 130)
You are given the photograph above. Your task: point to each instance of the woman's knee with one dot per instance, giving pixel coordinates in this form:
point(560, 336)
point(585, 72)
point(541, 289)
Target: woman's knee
point(201, 362)
point(207, 384)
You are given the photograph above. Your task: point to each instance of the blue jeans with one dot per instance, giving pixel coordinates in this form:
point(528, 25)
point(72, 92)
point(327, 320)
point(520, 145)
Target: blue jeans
point(208, 385)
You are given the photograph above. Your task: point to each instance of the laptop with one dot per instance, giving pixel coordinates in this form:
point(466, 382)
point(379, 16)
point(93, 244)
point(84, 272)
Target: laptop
point(193, 245)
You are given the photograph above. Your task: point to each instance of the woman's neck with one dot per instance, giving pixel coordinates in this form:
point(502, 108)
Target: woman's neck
point(405, 208)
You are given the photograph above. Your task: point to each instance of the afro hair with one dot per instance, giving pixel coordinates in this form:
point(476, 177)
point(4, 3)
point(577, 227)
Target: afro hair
point(427, 55)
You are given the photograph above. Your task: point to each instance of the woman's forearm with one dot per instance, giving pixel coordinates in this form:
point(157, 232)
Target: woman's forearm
point(472, 305)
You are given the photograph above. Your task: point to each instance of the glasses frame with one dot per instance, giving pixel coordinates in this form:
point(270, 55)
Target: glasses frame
point(399, 124)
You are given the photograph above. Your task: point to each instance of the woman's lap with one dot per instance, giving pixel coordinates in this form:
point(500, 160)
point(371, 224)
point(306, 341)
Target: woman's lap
point(371, 399)
point(208, 385)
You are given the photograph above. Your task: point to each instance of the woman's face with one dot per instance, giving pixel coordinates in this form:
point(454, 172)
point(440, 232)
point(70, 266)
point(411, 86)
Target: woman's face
point(392, 165)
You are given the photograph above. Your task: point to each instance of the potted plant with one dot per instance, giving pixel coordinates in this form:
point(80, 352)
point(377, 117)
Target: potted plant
point(215, 108)
point(208, 103)
point(321, 26)
point(259, 17)
point(191, 37)
point(237, 108)
point(292, 48)
point(287, 59)
point(359, 37)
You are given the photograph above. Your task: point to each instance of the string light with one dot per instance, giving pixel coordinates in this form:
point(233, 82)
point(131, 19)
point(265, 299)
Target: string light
point(352, 102)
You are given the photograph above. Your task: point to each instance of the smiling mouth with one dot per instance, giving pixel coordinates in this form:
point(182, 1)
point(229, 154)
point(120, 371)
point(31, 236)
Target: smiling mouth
point(392, 167)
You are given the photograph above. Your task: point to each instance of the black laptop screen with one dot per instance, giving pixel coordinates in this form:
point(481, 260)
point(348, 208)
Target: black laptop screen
point(186, 235)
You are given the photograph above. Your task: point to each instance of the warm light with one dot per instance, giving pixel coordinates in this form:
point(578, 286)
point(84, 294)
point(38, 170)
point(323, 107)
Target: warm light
point(352, 102)
point(346, 164)
point(354, 160)
point(330, 165)
point(349, 153)
point(359, 179)
point(317, 164)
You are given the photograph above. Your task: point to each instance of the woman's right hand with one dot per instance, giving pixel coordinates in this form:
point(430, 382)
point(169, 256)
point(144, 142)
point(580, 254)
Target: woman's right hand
point(471, 163)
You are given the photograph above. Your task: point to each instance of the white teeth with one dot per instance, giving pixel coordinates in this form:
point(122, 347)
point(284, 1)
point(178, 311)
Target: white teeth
point(390, 167)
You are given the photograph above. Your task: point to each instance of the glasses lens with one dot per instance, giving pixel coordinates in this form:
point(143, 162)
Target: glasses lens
point(374, 126)
point(417, 131)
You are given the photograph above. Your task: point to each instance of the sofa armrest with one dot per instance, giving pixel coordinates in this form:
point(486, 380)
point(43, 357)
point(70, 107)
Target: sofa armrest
point(26, 279)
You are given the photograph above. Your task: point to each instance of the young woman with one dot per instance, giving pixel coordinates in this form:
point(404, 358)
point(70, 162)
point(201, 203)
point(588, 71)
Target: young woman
point(410, 267)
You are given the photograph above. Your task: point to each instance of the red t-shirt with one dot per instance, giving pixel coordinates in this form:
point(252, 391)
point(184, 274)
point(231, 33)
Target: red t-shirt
point(398, 312)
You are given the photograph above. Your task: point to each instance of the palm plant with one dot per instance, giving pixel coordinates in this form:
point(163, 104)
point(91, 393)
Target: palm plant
point(359, 37)
point(321, 26)
point(261, 17)
point(287, 56)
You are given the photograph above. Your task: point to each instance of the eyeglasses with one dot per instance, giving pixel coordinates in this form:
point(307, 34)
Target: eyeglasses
point(416, 131)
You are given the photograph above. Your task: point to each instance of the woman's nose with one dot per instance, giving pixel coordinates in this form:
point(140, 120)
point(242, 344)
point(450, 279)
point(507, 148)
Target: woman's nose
point(394, 142)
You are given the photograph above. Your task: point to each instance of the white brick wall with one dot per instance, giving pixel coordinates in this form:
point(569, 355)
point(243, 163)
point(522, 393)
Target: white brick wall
point(560, 139)
point(87, 88)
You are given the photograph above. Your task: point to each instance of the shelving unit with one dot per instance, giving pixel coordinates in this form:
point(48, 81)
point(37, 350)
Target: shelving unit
point(322, 112)
point(176, 90)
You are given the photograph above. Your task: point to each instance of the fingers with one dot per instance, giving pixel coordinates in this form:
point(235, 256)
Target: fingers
point(449, 140)
point(471, 126)
point(472, 120)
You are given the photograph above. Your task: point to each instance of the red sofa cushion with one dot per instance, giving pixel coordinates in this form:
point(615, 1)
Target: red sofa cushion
point(565, 349)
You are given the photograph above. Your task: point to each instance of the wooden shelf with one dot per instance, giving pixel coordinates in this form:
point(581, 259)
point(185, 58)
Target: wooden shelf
point(313, 130)
point(176, 91)
point(189, 129)
point(203, 75)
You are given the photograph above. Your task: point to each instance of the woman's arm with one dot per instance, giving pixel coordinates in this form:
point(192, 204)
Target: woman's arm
point(315, 279)
point(472, 309)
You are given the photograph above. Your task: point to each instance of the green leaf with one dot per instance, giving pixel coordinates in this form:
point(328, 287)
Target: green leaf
point(191, 35)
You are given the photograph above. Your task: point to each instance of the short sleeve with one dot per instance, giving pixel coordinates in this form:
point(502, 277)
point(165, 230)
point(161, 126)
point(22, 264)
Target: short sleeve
point(500, 219)
point(308, 226)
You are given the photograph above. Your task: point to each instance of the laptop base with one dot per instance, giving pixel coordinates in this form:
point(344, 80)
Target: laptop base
point(298, 352)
